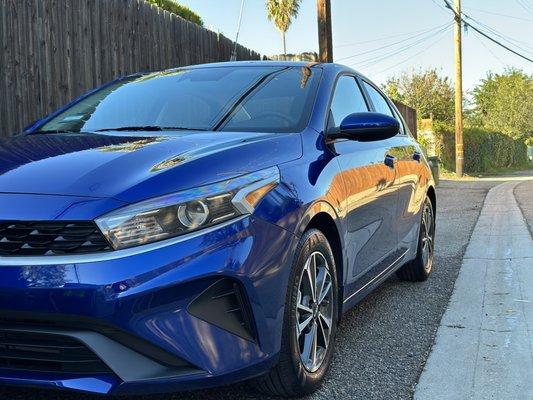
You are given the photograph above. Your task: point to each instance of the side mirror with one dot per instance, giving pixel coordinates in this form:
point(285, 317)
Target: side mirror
point(367, 127)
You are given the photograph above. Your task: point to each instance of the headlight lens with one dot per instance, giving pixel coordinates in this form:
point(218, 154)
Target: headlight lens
point(180, 213)
point(193, 214)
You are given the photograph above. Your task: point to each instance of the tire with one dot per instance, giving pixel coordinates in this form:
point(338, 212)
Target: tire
point(420, 268)
point(292, 376)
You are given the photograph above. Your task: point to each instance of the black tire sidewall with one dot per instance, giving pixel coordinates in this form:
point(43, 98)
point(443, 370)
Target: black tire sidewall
point(419, 260)
point(312, 241)
point(420, 257)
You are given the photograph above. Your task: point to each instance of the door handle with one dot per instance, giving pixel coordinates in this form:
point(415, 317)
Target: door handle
point(417, 156)
point(390, 161)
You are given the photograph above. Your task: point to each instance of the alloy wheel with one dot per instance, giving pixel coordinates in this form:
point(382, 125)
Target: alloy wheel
point(314, 311)
point(428, 236)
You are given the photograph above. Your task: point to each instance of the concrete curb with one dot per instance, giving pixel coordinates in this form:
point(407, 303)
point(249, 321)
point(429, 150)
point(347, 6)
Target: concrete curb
point(483, 347)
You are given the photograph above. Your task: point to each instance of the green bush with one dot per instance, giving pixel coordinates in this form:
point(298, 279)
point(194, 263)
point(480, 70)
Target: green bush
point(484, 151)
point(178, 9)
point(423, 142)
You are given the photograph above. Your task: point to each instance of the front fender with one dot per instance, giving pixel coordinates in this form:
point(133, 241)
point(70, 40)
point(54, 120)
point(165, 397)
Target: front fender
point(320, 206)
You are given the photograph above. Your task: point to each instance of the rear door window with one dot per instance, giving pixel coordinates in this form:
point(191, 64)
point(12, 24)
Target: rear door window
point(380, 104)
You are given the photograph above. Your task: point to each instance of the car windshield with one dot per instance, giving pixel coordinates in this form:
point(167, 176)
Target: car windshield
point(256, 99)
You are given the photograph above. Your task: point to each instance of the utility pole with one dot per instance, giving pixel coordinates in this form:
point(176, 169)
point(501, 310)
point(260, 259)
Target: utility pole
point(325, 43)
point(459, 151)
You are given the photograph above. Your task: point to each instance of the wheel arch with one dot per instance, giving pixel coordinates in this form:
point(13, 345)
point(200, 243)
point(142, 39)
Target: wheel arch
point(322, 216)
point(431, 193)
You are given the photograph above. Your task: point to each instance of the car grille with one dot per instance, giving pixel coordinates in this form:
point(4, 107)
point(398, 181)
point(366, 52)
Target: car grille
point(50, 238)
point(42, 352)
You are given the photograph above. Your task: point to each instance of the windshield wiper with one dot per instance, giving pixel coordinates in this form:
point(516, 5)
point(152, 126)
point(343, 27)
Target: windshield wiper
point(132, 128)
point(150, 128)
point(52, 131)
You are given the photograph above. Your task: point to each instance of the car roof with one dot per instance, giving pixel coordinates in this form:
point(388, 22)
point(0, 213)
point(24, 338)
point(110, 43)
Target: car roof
point(261, 63)
point(257, 63)
point(332, 68)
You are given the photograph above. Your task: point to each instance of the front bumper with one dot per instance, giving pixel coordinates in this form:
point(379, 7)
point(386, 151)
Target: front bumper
point(133, 311)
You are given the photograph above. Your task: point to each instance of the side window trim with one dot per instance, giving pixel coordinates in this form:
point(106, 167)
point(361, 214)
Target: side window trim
point(403, 126)
point(379, 91)
point(398, 116)
point(369, 105)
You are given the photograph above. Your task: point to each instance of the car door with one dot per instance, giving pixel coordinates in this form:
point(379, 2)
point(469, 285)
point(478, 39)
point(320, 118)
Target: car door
point(411, 189)
point(407, 172)
point(368, 175)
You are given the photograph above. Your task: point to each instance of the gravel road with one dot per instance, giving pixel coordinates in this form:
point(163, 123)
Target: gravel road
point(382, 343)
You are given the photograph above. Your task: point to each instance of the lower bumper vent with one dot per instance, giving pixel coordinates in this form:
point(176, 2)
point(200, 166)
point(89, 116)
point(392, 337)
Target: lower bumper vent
point(29, 351)
point(225, 305)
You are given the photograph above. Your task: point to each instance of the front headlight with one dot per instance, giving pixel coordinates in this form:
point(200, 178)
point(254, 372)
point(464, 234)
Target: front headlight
point(188, 211)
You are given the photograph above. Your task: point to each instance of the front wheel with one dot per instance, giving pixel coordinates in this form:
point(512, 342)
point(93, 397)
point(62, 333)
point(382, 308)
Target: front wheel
point(310, 321)
point(420, 268)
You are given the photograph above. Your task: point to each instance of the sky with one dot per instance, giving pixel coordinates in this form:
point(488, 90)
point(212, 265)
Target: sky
point(382, 38)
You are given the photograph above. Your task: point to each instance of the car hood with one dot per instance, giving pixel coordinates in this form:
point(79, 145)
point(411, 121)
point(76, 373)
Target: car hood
point(132, 166)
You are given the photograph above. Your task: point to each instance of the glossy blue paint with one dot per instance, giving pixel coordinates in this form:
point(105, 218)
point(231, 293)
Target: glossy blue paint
point(369, 126)
point(101, 384)
point(95, 165)
point(79, 177)
point(186, 269)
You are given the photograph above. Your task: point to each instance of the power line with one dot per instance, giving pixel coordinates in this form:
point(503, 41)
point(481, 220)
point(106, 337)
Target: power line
point(525, 6)
point(485, 34)
point(386, 37)
point(491, 52)
point(440, 6)
point(431, 34)
point(390, 44)
point(508, 39)
point(413, 55)
point(500, 44)
point(379, 58)
point(499, 14)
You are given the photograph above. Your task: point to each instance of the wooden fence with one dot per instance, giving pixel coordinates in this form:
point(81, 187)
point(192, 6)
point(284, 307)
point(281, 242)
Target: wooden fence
point(51, 51)
point(409, 115)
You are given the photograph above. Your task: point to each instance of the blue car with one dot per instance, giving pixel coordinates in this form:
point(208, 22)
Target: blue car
point(204, 225)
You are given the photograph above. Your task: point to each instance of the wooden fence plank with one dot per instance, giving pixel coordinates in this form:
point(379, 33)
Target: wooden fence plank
point(51, 51)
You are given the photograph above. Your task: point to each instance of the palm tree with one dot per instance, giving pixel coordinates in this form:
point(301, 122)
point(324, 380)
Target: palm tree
point(282, 12)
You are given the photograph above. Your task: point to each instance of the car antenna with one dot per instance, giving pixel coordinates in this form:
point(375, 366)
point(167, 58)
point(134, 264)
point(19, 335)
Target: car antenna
point(234, 52)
